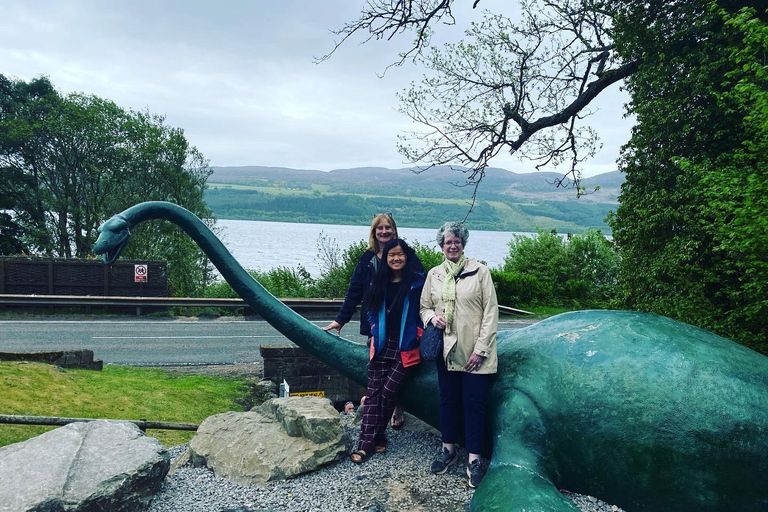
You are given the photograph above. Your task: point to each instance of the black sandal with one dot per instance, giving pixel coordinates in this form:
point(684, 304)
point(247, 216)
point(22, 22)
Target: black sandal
point(360, 453)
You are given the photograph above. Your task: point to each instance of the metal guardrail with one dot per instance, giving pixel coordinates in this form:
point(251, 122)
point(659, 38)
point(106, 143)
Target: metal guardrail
point(297, 305)
point(58, 422)
point(140, 302)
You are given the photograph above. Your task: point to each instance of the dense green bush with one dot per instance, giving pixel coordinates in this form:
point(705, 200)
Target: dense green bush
point(219, 290)
point(428, 256)
point(594, 268)
point(542, 258)
point(550, 270)
point(286, 282)
point(514, 289)
point(281, 282)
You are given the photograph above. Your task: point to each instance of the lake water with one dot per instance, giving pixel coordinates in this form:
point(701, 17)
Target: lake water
point(259, 245)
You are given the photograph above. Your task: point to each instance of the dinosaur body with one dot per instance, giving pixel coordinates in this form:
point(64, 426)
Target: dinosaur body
point(646, 412)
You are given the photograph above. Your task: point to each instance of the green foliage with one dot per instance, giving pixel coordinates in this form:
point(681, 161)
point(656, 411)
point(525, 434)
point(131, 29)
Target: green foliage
point(70, 162)
point(429, 257)
point(336, 275)
point(580, 270)
point(286, 282)
point(10, 235)
point(282, 282)
point(515, 289)
point(220, 289)
point(691, 225)
point(594, 268)
point(542, 258)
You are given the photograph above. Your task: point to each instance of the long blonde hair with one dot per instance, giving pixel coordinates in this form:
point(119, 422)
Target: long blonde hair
point(373, 244)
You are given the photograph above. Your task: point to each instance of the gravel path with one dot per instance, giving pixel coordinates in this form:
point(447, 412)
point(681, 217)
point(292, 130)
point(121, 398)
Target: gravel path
point(398, 480)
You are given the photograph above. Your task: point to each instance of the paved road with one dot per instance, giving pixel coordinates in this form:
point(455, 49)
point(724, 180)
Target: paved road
point(156, 342)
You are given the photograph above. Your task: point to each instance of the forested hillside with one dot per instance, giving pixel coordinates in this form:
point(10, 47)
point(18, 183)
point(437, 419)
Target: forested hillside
point(509, 201)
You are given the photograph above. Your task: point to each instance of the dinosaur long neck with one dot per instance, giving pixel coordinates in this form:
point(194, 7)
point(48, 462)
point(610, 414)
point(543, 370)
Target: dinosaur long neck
point(347, 357)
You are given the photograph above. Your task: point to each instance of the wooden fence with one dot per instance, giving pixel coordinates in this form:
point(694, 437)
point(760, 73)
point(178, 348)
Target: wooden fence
point(46, 276)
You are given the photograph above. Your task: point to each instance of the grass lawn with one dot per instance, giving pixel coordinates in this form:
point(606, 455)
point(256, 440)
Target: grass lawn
point(117, 392)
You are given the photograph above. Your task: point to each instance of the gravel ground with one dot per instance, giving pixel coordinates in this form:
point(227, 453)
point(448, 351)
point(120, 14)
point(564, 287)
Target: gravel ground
point(397, 480)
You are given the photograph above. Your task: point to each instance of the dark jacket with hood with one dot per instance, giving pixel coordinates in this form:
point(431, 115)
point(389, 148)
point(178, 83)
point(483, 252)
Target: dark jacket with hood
point(361, 280)
point(411, 327)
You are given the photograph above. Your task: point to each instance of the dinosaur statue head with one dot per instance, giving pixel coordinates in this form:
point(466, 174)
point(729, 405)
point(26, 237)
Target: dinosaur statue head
point(114, 234)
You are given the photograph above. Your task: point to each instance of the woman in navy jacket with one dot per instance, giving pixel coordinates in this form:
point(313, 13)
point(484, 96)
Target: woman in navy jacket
point(392, 309)
point(383, 229)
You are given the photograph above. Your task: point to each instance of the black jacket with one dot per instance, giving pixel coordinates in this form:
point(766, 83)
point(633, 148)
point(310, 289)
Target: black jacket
point(362, 278)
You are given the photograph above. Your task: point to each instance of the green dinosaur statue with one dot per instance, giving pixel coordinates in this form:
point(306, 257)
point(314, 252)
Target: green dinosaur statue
point(640, 410)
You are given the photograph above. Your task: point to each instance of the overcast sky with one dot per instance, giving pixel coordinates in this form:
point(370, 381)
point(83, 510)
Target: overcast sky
point(238, 76)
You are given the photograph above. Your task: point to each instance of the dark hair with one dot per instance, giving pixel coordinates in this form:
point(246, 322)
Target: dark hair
point(377, 293)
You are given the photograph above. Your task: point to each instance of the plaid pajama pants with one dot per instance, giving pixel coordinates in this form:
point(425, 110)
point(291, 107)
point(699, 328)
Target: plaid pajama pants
point(386, 375)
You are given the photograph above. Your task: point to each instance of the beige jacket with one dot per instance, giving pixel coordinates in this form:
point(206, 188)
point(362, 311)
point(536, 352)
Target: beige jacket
point(475, 319)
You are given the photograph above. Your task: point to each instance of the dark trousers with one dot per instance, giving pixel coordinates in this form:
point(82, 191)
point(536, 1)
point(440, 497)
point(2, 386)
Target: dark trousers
point(385, 378)
point(462, 392)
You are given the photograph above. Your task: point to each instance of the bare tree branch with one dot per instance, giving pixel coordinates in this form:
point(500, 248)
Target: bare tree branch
point(382, 19)
point(522, 85)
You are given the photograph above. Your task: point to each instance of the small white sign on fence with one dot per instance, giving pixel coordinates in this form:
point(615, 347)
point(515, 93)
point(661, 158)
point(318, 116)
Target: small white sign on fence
point(140, 273)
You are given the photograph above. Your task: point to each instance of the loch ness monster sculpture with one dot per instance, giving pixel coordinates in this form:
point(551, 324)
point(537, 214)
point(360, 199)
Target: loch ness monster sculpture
point(640, 410)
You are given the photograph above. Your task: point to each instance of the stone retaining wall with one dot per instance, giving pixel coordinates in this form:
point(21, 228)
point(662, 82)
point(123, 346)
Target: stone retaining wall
point(304, 373)
point(65, 358)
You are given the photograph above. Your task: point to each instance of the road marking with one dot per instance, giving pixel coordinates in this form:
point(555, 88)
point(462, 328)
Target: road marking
point(215, 323)
point(174, 337)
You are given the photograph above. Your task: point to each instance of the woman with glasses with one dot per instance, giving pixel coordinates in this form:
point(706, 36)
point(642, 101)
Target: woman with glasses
point(459, 297)
point(392, 311)
point(383, 229)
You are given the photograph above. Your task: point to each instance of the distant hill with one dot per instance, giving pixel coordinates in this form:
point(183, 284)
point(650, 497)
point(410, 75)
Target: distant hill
point(506, 200)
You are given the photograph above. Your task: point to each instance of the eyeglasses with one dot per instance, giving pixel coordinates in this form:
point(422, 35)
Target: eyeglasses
point(453, 243)
point(388, 214)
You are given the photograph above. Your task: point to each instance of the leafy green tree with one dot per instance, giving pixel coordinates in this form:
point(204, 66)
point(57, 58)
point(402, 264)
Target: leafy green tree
point(10, 235)
point(691, 222)
point(166, 168)
point(592, 270)
point(24, 109)
point(70, 162)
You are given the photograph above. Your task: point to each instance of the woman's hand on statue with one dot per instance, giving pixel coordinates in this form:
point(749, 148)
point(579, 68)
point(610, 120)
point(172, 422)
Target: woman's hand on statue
point(334, 325)
point(474, 363)
point(438, 321)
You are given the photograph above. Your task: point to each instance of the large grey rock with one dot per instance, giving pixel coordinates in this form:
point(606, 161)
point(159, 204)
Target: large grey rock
point(283, 437)
point(83, 467)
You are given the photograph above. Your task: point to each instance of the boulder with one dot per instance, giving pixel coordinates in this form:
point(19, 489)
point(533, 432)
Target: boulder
point(88, 466)
point(265, 388)
point(283, 437)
